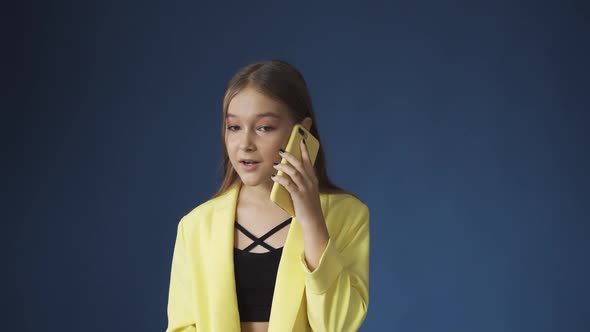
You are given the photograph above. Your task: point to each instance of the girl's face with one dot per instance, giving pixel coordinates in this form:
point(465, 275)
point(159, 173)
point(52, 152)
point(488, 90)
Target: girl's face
point(256, 128)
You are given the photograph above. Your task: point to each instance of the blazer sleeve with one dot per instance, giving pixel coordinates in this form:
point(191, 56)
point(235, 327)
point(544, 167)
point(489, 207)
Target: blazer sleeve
point(337, 291)
point(180, 296)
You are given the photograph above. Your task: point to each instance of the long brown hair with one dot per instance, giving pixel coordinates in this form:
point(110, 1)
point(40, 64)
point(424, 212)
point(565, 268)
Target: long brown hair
point(282, 82)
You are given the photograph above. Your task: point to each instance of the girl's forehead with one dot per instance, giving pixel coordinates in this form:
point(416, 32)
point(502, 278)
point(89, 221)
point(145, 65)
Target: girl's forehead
point(251, 104)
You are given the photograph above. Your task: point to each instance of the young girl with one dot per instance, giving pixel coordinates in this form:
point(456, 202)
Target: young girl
point(240, 262)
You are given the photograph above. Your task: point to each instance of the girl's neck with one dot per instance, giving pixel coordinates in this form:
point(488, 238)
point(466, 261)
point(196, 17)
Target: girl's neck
point(257, 200)
point(257, 195)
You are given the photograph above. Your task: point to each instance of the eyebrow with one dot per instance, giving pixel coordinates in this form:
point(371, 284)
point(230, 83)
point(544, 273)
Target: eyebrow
point(261, 115)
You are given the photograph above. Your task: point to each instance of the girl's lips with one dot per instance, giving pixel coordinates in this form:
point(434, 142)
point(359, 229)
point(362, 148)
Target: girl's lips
point(249, 167)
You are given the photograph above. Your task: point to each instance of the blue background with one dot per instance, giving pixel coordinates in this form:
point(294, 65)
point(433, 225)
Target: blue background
point(462, 124)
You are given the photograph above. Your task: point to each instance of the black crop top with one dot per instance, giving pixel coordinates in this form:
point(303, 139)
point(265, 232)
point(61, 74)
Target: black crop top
point(255, 275)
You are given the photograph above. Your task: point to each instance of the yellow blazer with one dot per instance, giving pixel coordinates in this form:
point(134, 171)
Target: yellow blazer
point(334, 297)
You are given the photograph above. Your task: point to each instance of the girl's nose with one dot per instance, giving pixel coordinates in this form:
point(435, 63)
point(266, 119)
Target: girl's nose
point(247, 142)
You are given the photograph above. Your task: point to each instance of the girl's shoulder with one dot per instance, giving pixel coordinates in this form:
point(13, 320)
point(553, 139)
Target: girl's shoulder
point(207, 210)
point(344, 205)
point(342, 200)
point(345, 214)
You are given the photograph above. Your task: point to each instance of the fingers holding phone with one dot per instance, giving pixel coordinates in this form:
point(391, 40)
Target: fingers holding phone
point(296, 173)
point(301, 175)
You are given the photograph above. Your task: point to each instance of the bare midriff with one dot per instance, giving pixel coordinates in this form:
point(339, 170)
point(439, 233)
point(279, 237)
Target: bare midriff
point(254, 326)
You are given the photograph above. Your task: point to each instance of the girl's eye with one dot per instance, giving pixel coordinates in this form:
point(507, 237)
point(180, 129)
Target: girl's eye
point(263, 128)
point(266, 128)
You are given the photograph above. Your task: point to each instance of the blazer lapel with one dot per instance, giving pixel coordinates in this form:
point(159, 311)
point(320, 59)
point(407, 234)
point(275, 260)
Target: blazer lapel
point(224, 301)
point(289, 283)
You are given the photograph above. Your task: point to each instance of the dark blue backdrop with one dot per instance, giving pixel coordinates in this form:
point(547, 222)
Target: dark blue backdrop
point(463, 126)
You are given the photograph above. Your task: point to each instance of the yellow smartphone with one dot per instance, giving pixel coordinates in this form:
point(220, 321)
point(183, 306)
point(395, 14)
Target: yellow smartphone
point(279, 195)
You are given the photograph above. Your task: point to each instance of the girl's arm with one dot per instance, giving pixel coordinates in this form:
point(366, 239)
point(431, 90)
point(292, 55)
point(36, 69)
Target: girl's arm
point(337, 290)
point(180, 301)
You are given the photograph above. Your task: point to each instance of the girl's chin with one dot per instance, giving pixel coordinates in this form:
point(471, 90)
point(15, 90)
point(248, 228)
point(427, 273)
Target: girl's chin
point(256, 181)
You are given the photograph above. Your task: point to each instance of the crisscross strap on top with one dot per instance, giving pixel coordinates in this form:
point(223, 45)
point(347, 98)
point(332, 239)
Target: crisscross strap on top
point(260, 241)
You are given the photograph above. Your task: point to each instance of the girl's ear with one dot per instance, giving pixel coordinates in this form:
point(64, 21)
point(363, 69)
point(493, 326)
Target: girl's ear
point(307, 122)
